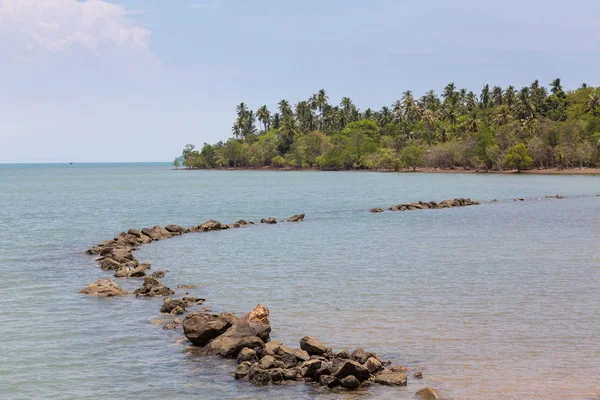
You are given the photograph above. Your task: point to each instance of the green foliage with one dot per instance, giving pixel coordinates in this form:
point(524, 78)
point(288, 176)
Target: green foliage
point(491, 128)
point(518, 157)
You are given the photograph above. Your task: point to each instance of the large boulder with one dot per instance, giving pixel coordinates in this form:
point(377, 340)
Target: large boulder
point(153, 287)
point(200, 328)
point(312, 346)
point(390, 378)
point(350, 367)
point(296, 218)
point(104, 288)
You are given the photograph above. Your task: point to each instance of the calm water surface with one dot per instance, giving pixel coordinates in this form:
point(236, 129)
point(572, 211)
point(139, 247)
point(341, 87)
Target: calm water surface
point(498, 301)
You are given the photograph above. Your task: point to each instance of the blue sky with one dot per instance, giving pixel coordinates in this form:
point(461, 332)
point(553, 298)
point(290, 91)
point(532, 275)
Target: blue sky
point(135, 80)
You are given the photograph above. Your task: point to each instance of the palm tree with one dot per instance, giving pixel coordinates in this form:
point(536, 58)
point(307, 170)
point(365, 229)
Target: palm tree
point(398, 111)
point(503, 115)
point(449, 93)
point(473, 123)
point(556, 87)
point(430, 101)
point(524, 105)
point(485, 96)
point(264, 117)
point(284, 108)
point(305, 116)
point(497, 95)
point(510, 96)
point(322, 102)
point(368, 114)
point(347, 111)
point(593, 103)
point(276, 121)
point(471, 101)
point(385, 116)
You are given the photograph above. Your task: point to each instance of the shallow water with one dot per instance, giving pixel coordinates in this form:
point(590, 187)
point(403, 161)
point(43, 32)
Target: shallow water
point(497, 301)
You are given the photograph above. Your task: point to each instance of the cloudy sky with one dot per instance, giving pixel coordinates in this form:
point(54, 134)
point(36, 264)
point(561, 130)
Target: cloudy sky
point(135, 80)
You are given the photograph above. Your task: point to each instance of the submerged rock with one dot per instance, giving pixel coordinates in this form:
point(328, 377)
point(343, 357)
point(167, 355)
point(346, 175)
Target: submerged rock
point(270, 220)
point(428, 393)
point(390, 378)
point(376, 210)
point(104, 288)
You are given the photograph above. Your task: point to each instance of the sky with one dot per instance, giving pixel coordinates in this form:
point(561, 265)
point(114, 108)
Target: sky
point(136, 80)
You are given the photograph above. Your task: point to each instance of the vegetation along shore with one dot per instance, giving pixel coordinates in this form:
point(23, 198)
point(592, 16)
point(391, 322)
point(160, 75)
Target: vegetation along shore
point(499, 129)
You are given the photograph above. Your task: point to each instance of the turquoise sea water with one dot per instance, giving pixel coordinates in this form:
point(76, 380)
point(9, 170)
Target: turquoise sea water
point(498, 301)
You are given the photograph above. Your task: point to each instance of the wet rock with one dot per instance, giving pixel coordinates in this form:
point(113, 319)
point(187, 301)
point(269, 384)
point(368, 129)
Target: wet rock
point(158, 274)
point(290, 374)
point(247, 354)
point(171, 326)
point(373, 365)
point(266, 362)
point(109, 264)
point(329, 381)
point(229, 347)
point(376, 210)
point(241, 222)
point(519, 199)
point(270, 220)
point(175, 229)
point(128, 272)
point(296, 218)
point(418, 375)
point(200, 328)
point(211, 225)
point(259, 377)
point(312, 346)
point(350, 367)
point(157, 233)
point(350, 382)
point(298, 353)
point(242, 369)
point(428, 393)
point(361, 356)
point(310, 368)
point(173, 306)
point(344, 354)
point(186, 286)
point(390, 378)
point(153, 287)
point(104, 288)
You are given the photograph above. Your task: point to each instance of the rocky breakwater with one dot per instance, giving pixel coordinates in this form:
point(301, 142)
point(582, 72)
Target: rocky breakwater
point(424, 205)
point(262, 361)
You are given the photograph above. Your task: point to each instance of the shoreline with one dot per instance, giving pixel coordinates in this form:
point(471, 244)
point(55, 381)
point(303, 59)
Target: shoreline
point(547, 171)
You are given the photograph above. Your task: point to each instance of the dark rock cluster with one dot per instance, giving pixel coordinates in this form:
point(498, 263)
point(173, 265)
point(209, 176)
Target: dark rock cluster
point(424, 205)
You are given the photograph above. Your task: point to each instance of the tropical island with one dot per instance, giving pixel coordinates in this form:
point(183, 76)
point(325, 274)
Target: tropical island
point(499, 129)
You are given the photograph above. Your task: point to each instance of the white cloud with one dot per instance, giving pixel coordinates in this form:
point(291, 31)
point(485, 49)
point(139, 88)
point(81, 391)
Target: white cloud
point(58, 25)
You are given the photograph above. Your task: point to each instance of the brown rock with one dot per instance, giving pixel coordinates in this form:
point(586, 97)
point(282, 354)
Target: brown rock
point(270, 220)
point(157, 233)
point(211, 225)
point(153, 287)
point(175, 229)
point(373, 365)
point(103, 288)
point(231, 346)
point(350, 382)
point(361, 356)
point(247, 354)
point(350, 367)
point(200, 328)
point(428, 393)
point(242, 369)
point(390, 378)
point(376, 210)
point(296, 218)
point(312, 346)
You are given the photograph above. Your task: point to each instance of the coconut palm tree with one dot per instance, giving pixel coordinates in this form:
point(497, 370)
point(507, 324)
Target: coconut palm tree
point(497, 98)
point(264, 117)
point(430, 101)
point(593, 103)
point(503, 115)
point(305, 116)
point(510, 96)
point(450, 95)
point(556, 87)
point(276, 121)
point(485, 96)
point(285, 109)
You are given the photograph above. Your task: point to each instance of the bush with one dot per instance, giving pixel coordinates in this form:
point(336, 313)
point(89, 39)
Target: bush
point(278, 161)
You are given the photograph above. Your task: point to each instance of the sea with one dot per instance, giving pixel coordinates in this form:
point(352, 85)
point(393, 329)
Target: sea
point(495, 301)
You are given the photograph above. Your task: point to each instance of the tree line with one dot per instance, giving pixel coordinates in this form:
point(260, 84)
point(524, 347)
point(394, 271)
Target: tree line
point(501, 128)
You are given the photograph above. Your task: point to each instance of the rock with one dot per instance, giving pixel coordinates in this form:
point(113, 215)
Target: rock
point(259, 377)
point(266, 362)
point(241, 222)
point(270, 220)
point(399, 368)
point(229, 347)
point(254, 323)
point(519, 199)
point(350, 367)
point(361, 356)
point(200, 328)
point(157, 233)
point(329, 381)
point(290, 374)
point(186, 286)
point(271, 348)
point(390, 378)
point(376, 210)
point(172, 325)
point(247, 354)
point(153, 287)
point(310, 368)
point(211, 225)
point(109, 264)
point(158, 274)
point(175, 229)
point(312, 346)
point(343, 354)
point(296, 218)
point(350, 382)
point(128, 272)
point(173, 306)
point(298, 353)
point(373, 365)
point(428, 393)
point(242, 369)
point(104, 288)
point(418, 375)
